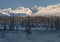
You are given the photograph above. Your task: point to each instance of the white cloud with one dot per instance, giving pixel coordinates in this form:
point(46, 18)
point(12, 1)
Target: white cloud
point(48, 10)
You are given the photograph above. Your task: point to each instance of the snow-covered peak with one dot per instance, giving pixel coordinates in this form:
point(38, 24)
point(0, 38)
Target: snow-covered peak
point(34, 11)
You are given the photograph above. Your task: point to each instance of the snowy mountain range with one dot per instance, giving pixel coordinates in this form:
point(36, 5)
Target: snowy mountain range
point(51, 10)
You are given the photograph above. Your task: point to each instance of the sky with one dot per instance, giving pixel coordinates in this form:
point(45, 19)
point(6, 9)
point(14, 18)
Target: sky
point(26, 3)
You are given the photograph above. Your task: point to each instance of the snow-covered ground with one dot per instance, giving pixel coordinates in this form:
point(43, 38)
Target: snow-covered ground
point(35, 36)
point(38, 34)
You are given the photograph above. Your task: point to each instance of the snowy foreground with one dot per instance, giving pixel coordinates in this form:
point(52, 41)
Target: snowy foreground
point(35, 36)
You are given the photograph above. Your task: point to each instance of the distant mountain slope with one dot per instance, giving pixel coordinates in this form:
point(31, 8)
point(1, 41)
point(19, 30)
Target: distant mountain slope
point(19, 14)
point(2, 14)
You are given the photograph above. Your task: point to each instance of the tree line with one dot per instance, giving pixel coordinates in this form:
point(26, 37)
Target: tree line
point(29, 21)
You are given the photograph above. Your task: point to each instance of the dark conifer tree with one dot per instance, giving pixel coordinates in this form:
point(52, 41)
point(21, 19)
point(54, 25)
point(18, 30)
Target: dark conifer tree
point(27, 26)
point(57, 25)
point(11, 27)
